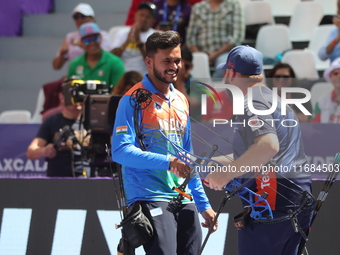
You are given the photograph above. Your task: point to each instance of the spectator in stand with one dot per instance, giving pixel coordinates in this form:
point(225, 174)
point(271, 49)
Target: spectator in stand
point(186, 84)
point(95, 63)
point(125, 83)
point(69, 50)
point(215, 27)
point(71, 46)
point(331, 48)
point(173, 15)
point(130, 19)
point(192, 2)
point(134, 5)
point(328, 19)
point(327, 108)
point(128, 44)
point(283, 75)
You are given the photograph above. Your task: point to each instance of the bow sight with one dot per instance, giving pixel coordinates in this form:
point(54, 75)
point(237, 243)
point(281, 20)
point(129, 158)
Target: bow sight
point(140, 99)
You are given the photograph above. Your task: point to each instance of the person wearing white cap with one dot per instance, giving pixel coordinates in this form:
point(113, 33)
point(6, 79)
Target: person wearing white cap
point(327, 108)
point(71, 46)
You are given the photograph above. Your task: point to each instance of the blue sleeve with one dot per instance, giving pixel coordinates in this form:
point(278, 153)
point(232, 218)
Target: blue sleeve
point(322, 52)
point(195, 184)
point(125, 147)
point(187, 137)
point(198, 193)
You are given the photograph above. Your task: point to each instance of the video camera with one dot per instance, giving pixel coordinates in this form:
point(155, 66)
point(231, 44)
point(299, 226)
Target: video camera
point(99, 112)
point(75, 89)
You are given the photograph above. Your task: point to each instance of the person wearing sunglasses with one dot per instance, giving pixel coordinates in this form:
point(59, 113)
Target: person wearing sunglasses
point(95, 63)
point(71, 46)
point(283, 75)
point(215, 27)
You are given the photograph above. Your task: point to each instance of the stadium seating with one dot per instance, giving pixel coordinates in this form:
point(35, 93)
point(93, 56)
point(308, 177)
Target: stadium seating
point(318, 39)
point(26, 61)
point(302, 62)
point(15, 116)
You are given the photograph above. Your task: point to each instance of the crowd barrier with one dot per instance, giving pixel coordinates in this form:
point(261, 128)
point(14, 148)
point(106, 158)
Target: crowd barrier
point(42, 215)
point(321, 143)
point(78, 216)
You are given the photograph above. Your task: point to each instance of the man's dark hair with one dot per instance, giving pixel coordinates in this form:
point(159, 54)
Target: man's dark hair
point(161, 40)
point(186, 54)
point(279, 66)
point(149, 6)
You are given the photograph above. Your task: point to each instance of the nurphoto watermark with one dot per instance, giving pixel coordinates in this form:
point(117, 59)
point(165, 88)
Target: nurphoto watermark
point(246, 103)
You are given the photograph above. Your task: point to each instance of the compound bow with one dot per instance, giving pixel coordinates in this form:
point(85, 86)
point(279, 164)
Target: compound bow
point(260, 208)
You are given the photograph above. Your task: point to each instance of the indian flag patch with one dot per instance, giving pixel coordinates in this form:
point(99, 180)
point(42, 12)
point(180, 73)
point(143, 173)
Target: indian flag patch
point(121, 130)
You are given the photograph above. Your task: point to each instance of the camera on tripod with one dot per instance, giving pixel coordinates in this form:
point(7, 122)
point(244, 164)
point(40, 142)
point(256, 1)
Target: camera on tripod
point(75, 90)
point(99, 112)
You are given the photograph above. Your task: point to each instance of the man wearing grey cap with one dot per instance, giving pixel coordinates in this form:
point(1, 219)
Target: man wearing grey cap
point(258, 140)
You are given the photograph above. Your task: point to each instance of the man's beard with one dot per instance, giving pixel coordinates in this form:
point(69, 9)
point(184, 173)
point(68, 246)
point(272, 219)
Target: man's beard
point(162, 78)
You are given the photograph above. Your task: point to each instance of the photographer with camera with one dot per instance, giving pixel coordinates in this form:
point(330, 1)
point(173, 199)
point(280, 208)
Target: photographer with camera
point(60, 140)
point(95, 63)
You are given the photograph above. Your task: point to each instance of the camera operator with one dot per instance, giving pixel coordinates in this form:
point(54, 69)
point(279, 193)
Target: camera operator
point(60, 140)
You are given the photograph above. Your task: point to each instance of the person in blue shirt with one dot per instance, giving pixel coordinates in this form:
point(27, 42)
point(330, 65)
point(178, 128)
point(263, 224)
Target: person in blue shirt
point(148, 168)
point(331, 48)
point(258, 140)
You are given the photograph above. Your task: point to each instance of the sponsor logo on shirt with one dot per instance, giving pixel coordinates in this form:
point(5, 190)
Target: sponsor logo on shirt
point(158, 106)
point(101, 72)
point(254, 123)
point(182, 115)
point(79, 69)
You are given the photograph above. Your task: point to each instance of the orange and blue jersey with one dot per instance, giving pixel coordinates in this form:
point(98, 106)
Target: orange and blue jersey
point(145, 173)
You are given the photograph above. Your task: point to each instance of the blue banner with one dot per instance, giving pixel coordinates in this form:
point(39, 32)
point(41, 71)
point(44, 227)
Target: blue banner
point(15, 139)
point(321, 141)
